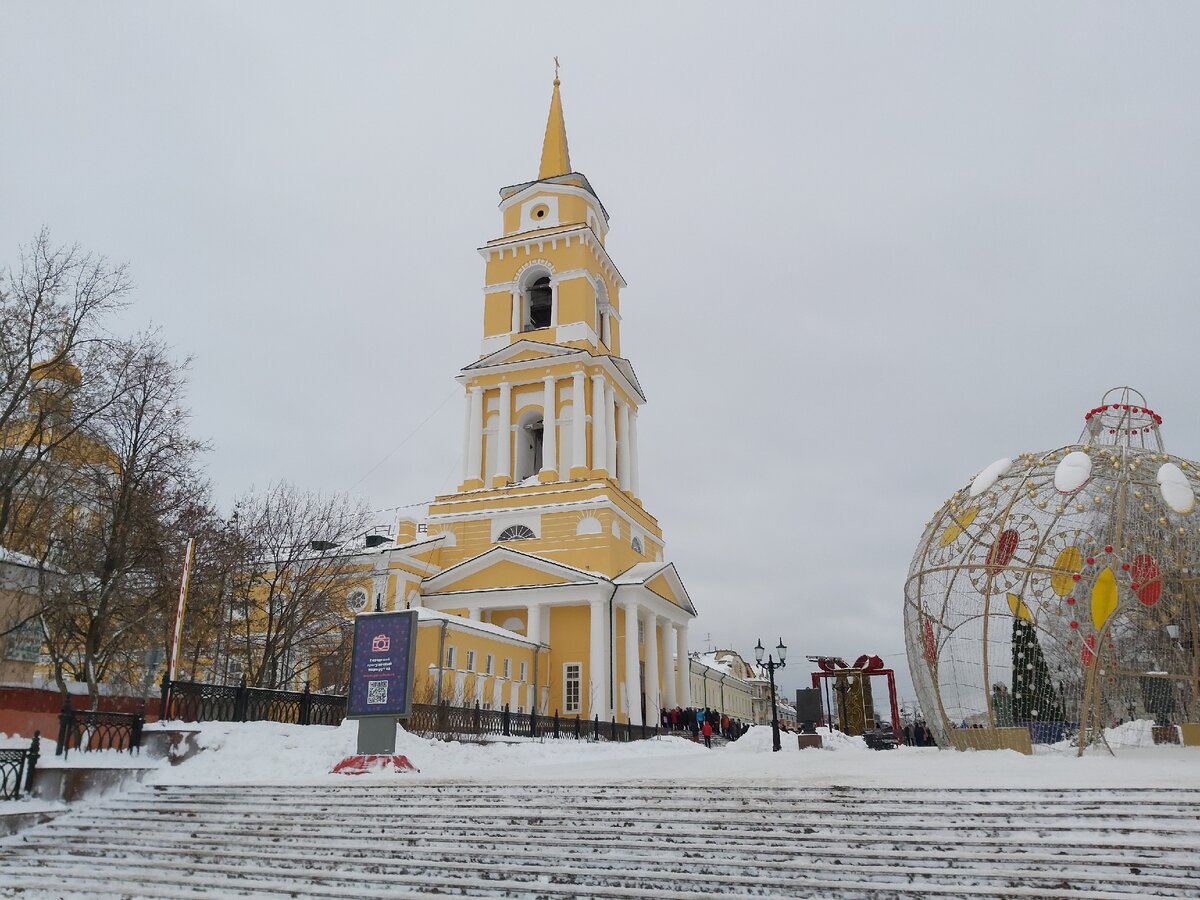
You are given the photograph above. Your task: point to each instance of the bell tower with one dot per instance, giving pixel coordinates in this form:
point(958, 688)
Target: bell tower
point(546, 537)
point(552, 406)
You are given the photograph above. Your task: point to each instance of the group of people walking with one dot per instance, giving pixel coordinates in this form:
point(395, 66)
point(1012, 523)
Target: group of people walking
point(917, 734)
point(702, 723)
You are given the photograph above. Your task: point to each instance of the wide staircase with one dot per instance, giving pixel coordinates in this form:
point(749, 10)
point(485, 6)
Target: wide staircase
point(415, 839)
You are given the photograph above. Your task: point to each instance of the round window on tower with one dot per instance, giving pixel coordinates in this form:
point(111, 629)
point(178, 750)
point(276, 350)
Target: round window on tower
point(540, 211)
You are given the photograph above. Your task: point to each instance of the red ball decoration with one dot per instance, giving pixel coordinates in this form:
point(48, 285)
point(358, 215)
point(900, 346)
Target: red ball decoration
point(1108, 549)
point(1125, 567)
point(1091, 560)
point(1077, 576)
point(1071, 601)
point(1074, 624)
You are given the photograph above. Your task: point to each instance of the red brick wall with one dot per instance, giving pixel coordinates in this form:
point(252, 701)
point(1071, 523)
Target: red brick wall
point(24, 710)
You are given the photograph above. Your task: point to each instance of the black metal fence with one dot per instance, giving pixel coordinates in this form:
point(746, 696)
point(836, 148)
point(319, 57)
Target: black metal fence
point(17, 766)
point(191, 701)
point(86, 730)
point(438, 720)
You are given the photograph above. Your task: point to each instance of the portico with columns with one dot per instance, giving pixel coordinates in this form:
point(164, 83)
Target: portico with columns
point(547, 536)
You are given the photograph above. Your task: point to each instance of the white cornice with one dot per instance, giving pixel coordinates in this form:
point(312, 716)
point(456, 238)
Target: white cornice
point(603, 501)
point(540, 240)
point(629, 385)
point(551, 188)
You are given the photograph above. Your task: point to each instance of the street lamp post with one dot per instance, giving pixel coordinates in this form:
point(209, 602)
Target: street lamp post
point(770, 665)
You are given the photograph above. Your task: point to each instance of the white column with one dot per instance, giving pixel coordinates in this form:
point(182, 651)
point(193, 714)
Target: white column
point(634, 481)
point(549, 426)
point(504, 436)
point(664, 661)
point(553, 302)
point(516, 311)
point(533, 631)
point(598, 661)
point(475, 438)
point(599, 440)
point(633, 678)
point(578, 422)
point(683, 673)
point(652, 704)
point(623, 445)
point(610, 431)
point(474, 614)
point(606, 329)
point(466, 448)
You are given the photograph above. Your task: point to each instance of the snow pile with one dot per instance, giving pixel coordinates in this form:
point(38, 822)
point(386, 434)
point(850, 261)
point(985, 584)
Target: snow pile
point(1137, 733)
point(758, 740)
point(234, 752)
point(836, 740)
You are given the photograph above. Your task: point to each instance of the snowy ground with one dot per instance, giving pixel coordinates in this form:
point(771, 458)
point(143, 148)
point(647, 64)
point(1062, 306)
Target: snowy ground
point(269, 753)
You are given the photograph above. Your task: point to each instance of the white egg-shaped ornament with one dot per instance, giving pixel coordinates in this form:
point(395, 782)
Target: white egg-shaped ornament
point(1057, 592)
point(1073, 472)
point(1176, 489)
point(989, 476)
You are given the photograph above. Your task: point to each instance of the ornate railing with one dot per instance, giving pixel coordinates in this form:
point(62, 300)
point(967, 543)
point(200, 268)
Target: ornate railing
point(86, 730)
point(17, 765)
point(438, 720)
point(191, 701)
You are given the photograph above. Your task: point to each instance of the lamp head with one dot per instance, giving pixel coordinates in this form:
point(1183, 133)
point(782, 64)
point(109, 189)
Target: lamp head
point(759, 650)
point(782, 651)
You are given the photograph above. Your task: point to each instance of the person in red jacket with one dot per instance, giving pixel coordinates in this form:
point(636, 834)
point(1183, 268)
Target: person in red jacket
point(706, 730)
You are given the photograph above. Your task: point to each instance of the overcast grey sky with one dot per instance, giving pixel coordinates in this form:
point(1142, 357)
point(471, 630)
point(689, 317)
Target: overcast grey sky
point(869, 250)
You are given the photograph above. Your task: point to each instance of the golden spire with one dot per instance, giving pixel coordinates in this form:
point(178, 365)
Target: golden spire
point(556, 158)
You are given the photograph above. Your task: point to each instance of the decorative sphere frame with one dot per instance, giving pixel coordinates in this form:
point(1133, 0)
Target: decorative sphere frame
point(1059, 591)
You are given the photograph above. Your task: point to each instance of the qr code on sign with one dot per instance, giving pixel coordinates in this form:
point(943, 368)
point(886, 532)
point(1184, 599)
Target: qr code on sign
point(376, 692)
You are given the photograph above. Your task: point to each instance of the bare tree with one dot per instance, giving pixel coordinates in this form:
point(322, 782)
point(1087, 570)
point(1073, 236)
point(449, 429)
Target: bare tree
point(52, 311)
point(120, 541)
point(290, 591)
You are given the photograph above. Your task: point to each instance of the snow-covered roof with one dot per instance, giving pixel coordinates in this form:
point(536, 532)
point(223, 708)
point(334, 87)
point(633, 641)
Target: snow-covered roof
point(429, 615)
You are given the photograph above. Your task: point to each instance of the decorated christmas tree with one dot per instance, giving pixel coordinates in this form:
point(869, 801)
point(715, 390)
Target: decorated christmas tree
point(1034, 698)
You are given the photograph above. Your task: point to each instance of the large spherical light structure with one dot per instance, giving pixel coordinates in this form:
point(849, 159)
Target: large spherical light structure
point(1060, 590)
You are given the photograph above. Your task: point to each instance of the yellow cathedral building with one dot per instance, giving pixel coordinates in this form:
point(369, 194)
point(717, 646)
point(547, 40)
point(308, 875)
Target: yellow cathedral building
point(543, 581)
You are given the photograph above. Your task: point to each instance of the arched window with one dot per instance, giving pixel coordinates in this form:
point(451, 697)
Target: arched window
point(529, 445)
point(516, 533)
point(637, 546)
point(538, 305)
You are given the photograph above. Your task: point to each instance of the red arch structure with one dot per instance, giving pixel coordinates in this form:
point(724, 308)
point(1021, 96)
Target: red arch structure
point(867, 667)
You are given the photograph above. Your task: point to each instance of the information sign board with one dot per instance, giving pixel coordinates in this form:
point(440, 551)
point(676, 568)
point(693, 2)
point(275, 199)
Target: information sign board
point(382, 665)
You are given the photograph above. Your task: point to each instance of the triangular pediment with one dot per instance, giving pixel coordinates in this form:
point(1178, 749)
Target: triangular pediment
point(520, 352)
point(661, 579)
point(501, 568)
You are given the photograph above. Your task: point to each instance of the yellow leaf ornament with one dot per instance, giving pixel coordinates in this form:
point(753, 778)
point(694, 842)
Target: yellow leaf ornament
point(1067, 564)
point(1104, 597)
point(1019, 609)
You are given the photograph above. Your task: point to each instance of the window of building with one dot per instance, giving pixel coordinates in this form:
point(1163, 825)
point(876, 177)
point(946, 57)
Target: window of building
point(451, 659)
point(470, 660)
point(538, 303)
point(488, 663)
point(356, 601)
point(637, 546)
point(507, 668)
point(524, 672)
point(529, 445)
point(572, 686)
point(516, 533)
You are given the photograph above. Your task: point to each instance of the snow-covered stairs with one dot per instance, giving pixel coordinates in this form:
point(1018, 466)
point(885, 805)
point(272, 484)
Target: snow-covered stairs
point(414, 839)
